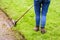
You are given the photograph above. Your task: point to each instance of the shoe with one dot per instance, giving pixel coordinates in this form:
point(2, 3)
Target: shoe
point(36, 29)
point(43, 30)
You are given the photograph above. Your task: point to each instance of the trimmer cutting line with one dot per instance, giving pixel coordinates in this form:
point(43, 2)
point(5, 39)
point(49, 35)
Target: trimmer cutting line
point(15, 22)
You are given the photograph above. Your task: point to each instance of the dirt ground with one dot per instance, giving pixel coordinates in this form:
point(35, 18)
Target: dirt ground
point(6, 33)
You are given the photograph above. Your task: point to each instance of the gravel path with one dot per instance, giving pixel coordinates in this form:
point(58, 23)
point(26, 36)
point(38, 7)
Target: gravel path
point(6, 33)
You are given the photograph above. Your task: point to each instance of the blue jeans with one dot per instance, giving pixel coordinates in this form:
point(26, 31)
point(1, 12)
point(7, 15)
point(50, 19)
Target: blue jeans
point(41, 9)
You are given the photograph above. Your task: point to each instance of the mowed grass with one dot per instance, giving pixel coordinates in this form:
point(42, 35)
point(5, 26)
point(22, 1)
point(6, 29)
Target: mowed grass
point(15, 8)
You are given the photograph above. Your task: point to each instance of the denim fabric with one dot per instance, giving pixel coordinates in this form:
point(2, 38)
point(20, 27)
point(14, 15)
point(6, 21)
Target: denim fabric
point(41, 9)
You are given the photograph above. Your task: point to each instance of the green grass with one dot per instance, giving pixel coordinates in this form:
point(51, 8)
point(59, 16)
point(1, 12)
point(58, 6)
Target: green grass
point(16, 8)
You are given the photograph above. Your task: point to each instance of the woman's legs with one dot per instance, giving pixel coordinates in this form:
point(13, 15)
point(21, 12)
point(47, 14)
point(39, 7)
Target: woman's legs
point(37, 6)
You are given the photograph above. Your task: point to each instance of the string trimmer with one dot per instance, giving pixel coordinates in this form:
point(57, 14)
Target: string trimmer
point(15, 22)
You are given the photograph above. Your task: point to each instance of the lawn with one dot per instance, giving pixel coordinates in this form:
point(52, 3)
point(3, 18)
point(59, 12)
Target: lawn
point(15, 8)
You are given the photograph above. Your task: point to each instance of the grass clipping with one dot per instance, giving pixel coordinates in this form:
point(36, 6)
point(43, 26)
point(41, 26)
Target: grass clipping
point(6, 32)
